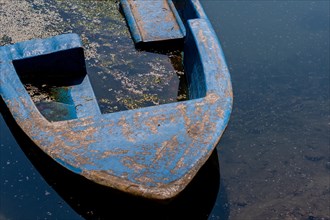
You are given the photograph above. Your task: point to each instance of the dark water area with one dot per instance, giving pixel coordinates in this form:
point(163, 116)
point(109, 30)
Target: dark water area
point(274, 156)
point(273, 161)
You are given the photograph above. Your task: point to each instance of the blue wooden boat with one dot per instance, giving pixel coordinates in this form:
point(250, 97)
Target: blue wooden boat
point(153, 152)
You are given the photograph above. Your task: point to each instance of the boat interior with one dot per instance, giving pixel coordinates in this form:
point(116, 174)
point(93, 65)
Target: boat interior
point(61, 89)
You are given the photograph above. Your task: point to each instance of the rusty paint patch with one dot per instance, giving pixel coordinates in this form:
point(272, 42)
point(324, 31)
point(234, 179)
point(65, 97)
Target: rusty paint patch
point(212, 98)
point(220, 112)
point(126, 129)
point(195, 130)
point(36, 124)
point(131, 163)
point(155, 122)
point(183, 110)
point(109, 153)
point(178, 166)
point(166, 147)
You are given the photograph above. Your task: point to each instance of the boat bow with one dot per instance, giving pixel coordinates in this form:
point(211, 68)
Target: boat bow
point(152, 152)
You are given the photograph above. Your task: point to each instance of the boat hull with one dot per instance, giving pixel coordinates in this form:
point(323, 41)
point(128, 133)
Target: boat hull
point(153, 152)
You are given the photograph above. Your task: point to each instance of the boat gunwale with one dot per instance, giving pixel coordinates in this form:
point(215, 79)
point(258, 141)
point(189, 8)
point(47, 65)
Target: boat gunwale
point(219, 99)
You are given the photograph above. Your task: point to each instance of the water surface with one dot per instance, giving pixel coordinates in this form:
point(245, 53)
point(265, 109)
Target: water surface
point(274, 156)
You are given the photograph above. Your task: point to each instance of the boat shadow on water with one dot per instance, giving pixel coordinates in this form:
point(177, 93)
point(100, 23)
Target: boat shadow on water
point(94, 201)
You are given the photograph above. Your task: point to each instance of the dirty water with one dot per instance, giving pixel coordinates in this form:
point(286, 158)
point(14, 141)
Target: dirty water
point(274, 156)
point(122, 77)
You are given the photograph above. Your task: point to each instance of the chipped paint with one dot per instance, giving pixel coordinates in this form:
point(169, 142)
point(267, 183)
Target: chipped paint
point(154, 21)
point(153, 152)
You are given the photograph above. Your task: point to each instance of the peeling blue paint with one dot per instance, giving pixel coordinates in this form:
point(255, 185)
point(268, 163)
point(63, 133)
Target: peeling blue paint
point(157, 149)
point(153, 21)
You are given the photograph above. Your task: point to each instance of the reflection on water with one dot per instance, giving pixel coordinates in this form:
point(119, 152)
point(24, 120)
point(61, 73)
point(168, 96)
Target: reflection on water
point(274, 156)
point(24, 194)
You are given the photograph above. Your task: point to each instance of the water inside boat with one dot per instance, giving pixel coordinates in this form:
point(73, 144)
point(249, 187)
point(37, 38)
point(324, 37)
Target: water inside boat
point(123, 77)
